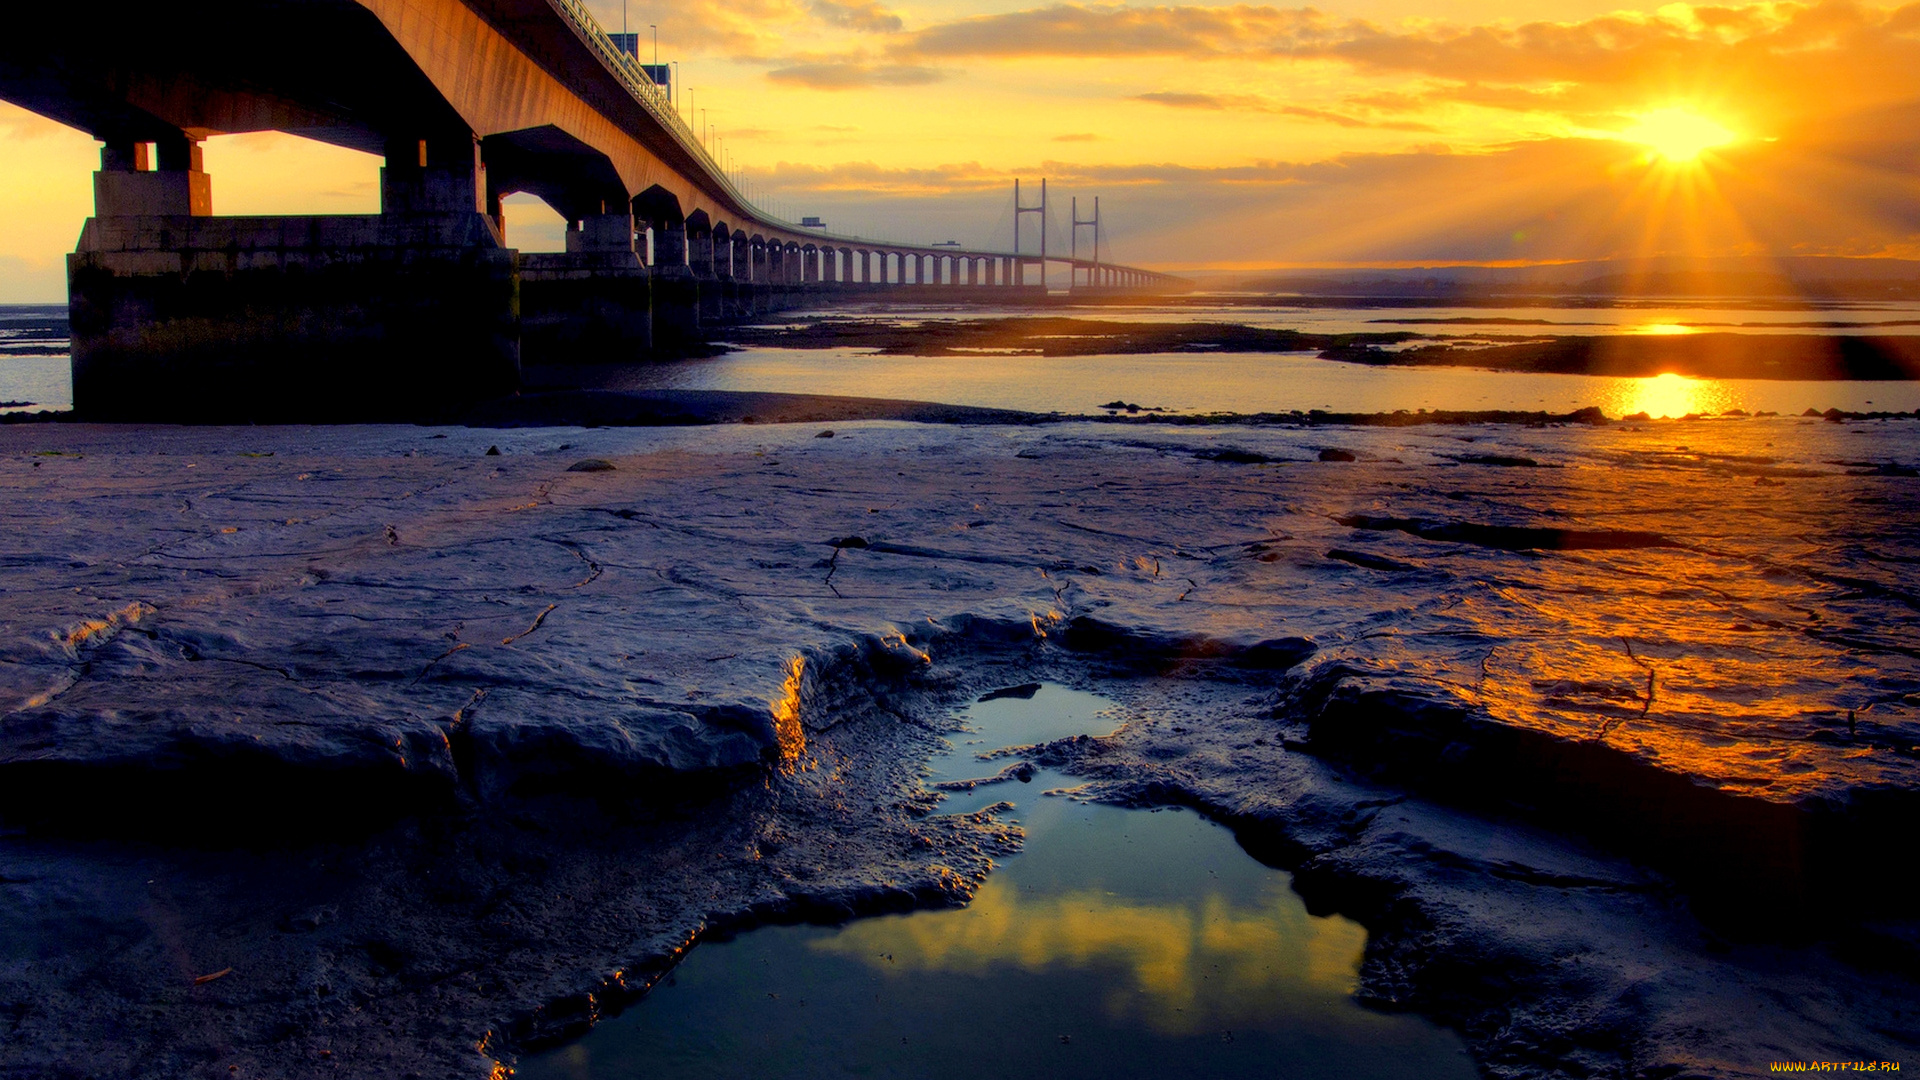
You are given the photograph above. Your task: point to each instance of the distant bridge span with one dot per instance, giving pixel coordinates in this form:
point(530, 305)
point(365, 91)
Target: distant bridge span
point(467, 100)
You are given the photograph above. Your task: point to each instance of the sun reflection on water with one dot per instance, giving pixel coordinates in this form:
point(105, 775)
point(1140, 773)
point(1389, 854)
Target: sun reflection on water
point(1668, 395)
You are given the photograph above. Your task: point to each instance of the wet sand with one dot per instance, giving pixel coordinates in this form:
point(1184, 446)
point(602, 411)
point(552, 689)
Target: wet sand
point(365, 750)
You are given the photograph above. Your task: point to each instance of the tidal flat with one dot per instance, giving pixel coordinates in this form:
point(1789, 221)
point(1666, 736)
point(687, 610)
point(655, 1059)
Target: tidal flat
point(389, 750)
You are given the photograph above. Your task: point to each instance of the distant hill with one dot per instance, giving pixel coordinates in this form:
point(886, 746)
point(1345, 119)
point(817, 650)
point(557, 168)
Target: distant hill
point(1809, 277)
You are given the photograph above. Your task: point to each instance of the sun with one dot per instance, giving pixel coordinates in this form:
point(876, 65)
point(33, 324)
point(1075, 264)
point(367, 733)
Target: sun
point(1678, 135)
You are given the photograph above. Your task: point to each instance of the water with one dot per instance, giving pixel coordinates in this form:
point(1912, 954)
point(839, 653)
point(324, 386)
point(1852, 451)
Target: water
point(1226, 382)
point(1119, 943)
point(34, 368)
point(1280, 382)
point(1248, 383)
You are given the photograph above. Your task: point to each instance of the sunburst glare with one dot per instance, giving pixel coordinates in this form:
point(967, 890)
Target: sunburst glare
point(1678, 135)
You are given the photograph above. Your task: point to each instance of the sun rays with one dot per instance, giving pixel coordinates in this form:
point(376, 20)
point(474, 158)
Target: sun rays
point(1678, 135)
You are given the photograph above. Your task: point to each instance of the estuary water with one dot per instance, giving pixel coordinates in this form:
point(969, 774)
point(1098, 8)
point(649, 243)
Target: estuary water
point(33, 365)
point(1191, 383)
point(1118, 943)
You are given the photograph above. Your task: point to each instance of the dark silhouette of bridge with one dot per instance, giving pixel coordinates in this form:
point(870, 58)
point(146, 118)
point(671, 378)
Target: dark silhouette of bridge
point(178, 313)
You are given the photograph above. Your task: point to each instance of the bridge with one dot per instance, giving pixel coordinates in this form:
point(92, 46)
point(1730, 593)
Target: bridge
point(178, 313)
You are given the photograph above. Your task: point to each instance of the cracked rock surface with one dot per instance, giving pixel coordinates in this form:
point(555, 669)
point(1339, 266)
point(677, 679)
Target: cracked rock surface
point(444, 754)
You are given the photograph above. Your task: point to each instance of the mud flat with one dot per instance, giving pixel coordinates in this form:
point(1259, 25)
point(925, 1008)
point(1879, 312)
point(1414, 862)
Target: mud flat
point(405, 750)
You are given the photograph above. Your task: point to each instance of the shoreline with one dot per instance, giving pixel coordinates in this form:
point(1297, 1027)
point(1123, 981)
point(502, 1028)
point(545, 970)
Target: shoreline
point(698, 408)
point(1719, 355)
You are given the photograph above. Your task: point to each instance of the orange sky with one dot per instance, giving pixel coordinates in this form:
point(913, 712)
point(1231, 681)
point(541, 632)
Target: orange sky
point(1225, 135)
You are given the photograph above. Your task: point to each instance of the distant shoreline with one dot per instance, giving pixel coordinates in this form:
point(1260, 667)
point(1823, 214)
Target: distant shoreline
point(1787, 357)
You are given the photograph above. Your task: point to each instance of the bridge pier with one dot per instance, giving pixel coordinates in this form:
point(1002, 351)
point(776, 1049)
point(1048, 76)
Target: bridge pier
point(676, 293)
point(591, 303)
point(181, 315)
point(702, 257)
point(764, 298)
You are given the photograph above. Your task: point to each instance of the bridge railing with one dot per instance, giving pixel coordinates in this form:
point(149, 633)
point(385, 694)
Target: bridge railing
point(655, 100)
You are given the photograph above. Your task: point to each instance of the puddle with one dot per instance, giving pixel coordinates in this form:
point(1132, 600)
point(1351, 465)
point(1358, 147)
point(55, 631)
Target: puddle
point(1117, 943)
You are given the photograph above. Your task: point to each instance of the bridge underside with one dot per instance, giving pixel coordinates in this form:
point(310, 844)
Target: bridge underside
point(180, 314)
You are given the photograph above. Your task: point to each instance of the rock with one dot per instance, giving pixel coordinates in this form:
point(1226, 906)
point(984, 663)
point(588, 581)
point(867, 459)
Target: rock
point(1234, 456)
point(1023, 692)
point(591, 465)
point(493, 451)
point(1370, 561)
point(827, 434)
point(1504, 461)
point(1332, 453)
point(1275, 654)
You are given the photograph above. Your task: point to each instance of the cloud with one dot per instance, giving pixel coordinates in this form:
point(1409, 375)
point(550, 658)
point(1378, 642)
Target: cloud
point(1835, 191)
point(740, 29)
point(1115, 31)
point(1181, 100)
point(863, 15)
point(1757, 61)
point(1254, 103)
point(847, 75)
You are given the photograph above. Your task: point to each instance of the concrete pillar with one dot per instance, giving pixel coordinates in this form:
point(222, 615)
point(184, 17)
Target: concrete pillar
point(669, 246)
point(592, 304)
point(125, 186)
point(676, 293)
point(601, 233)
point(435, 175)
point(700, 254)
point(184, 317)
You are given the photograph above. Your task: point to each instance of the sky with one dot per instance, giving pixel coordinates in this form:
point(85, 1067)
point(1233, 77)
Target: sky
point(1375, 132)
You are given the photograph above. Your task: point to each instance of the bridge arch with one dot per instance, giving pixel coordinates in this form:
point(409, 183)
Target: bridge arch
point(660, 210)
point(579, 182)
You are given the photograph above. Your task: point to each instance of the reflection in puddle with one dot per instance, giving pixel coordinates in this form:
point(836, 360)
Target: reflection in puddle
point(1118, 943)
